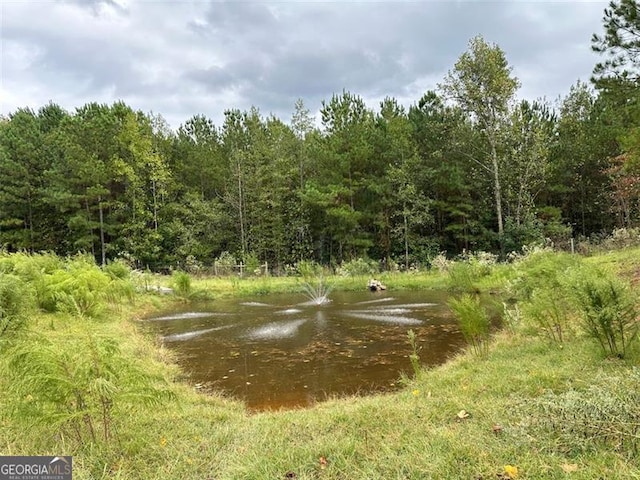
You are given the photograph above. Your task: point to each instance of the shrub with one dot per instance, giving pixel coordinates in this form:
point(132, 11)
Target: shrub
point(358, 266)
point(607, 307)
point(181, 284)
point(308, 268)
point(474, 321)
point(540, 269)
point(225, 264)
point(252, 264)
point(461, 278)
point(549, 310)
point(79, 386)
point(82, 289)
point(117, 270)
point(441, 263)
point(16, 299)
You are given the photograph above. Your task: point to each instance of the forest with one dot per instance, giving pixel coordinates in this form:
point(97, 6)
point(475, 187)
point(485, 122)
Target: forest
point(469, 166)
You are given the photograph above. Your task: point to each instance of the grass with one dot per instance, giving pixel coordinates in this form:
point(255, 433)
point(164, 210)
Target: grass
point(416, 433)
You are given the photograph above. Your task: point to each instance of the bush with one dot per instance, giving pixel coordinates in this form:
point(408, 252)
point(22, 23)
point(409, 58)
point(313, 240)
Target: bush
point(117, 270)
point(308, 268)
point(608, 309)
point(359, 266)
point(225, 264)
point(540, 269)
point(16, 299)
point(80, 288)
point(461, 278)
point(252, 264)
point(79, 386)
point(549, 310)
point(474, 321)
point(181, 284)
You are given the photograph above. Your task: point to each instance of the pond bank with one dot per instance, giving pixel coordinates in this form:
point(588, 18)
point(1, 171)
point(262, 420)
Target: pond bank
point(517, 402)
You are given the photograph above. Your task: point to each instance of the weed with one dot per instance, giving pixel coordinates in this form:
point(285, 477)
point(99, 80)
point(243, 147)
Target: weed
point(474, 322)
point(548, 309)
point(181, 284)
point(462, 277)
point(16, 300)
point(78, 385)
point(608, 310)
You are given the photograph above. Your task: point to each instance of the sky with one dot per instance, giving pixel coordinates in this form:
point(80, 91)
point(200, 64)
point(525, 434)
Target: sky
point(179, 58)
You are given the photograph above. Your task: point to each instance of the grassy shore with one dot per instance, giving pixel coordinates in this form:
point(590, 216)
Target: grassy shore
point(533, 408)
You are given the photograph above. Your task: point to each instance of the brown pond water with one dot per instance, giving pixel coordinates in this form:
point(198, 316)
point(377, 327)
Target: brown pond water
point(282, 351)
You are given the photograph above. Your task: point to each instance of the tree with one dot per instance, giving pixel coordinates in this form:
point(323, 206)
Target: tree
point(531, 137)
point(22, 168)
point(482, 85)
point(621, 45)
point(347, 165)
point(578, 182)
point(443, 135)
point(402, 211)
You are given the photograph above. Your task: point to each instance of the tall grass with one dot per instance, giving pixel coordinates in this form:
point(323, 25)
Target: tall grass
point(473, 320)
point(181, 284)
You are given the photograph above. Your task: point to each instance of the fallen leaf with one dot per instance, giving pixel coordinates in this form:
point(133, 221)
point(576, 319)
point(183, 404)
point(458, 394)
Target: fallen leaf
point(462, 414)
point(510, 471)
point(569, 467)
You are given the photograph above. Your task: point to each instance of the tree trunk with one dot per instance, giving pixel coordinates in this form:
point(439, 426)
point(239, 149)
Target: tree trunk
point(102, 246)
point(406, 240)
point(496, 188)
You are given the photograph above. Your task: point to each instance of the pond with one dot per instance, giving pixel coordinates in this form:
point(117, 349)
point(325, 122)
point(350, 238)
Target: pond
point(282, 351)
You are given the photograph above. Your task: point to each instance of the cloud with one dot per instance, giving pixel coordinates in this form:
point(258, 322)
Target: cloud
point(184, 58)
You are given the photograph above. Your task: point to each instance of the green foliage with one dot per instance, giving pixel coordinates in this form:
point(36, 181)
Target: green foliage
point(117, 270)
point(473, 320)
point(225, 264)
point(463, 274)
point(461, 277)
point(76, 286)
point(358, 266)
point(549, 310)
point(540, 269)
point(620, 43)
point(608, 310)
point(80, 387)
point(16, 300)
point(307, 268)
point(82, 289)
point(181, 284)
point(252, 264)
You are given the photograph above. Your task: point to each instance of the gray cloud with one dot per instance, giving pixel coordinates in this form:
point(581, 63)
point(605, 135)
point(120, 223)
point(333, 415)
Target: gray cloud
point(183, 58)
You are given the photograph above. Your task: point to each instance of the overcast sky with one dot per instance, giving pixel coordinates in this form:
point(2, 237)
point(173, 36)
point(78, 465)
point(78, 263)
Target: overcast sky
point(180, 58)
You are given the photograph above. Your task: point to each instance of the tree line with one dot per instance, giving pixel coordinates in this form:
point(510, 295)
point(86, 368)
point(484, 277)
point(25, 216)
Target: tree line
point(466, 167)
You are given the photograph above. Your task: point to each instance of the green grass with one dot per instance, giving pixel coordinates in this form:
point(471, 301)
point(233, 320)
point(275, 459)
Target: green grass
point(415, 433)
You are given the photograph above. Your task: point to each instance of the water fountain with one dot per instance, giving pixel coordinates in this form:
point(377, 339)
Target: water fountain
point(318, 294)
point(292, 350)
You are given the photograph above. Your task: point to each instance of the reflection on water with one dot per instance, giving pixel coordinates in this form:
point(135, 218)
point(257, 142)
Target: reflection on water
point(282, 352)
